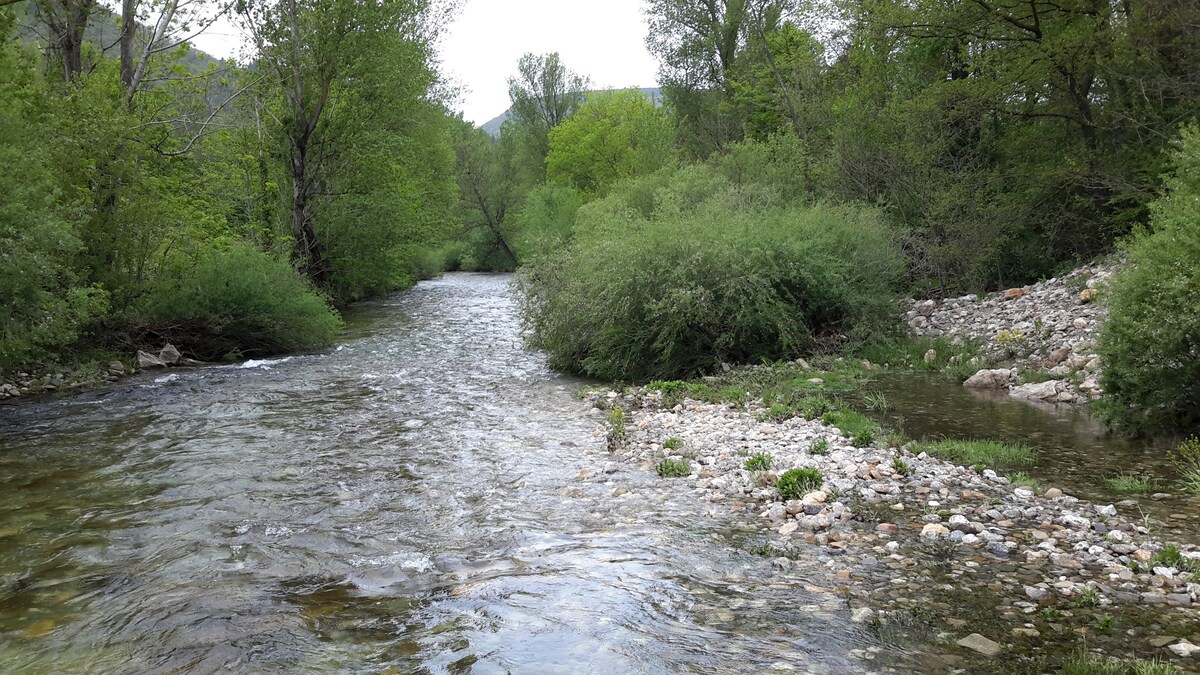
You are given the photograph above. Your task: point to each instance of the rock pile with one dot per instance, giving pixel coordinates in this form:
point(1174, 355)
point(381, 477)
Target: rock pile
point(1045, 334)
point(879, 509)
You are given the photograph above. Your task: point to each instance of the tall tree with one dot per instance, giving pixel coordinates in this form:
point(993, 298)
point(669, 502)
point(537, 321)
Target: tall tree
point(544, 94)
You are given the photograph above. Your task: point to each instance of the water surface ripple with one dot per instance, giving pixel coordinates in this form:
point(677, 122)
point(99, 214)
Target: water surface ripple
point(426, 497)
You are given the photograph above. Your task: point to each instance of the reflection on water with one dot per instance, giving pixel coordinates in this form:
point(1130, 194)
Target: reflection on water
point(411, 500)
point(1074, 452)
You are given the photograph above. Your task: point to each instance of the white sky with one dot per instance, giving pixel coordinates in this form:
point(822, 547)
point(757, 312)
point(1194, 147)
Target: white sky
point(603, 41)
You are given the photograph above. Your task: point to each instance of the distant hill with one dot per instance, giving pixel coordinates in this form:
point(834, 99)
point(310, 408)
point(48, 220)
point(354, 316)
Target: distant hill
point(492, 126)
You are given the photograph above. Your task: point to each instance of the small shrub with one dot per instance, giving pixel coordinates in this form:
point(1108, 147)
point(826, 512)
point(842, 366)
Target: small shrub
point(1090, 597)
point(673, 443)
point(821, 447)
point(901, 467)
point(1105, 623)
point(1021, 479)
point(1187, 458)
point(795, 483)
point(674, 468)
point(672, 391)
point(617, 435)
point(1128, 483)
point(1171, 556)
point(759, 462)
point(859, 428)
point(876, 401)
point(1148, 342)
point(993, 454)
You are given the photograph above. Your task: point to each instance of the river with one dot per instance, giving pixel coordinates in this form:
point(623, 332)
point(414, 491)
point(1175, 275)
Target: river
point(426, 497)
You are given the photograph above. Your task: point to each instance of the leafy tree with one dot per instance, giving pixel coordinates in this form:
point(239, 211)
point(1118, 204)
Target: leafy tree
point(614, 135)
point(544, 94)
point(487, 192)
point(1150, 343)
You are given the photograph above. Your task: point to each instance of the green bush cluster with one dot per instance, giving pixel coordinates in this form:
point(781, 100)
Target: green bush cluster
point(978, 453)
point(674, 274)
point(1150, 343)
point(235, 300)
point(795, 483)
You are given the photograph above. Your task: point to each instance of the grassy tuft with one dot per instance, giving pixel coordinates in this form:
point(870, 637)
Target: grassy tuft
point(795, 483)
point(1128, 483)
point(674, 468)
point(759, 462)
point(673, 443)
point(988, 454)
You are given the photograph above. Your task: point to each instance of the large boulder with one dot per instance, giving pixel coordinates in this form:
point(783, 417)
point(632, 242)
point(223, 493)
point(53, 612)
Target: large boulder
point(169, 354)
point(145, 360)
point(1038, 391)
point(989, 379)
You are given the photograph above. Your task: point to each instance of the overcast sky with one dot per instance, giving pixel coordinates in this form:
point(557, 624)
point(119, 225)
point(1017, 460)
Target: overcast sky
point(604, 41)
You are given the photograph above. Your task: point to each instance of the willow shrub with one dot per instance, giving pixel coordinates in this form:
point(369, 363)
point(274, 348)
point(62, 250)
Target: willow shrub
point(1150, 343)
point(234, 300)
point(673, 275)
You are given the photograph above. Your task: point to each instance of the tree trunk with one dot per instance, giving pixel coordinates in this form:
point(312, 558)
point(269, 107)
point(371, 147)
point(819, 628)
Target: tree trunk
point(128, 31)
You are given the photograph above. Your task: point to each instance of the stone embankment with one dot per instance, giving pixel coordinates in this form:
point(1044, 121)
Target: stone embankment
point(902, 531)
point(51, 380)
point(1038, 342)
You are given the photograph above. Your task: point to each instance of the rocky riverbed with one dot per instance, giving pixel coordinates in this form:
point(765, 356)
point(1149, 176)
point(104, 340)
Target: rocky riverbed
point(1037, 341)
point(918, 544)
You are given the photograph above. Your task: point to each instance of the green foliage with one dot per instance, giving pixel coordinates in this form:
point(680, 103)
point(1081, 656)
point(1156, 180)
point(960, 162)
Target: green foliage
point(821, 447)
point(1171, 556)
point(795, 483)
point(1187, 458)
point(901, 467)
point(614, 135)
point(876, 401)
point(1129, 483)
point(673, 275)
point(759, 462)
point(1083, 663)
point(1148, 345)
point(617, 435)
point(993, 454)
point(860, 429)
point(545, 220)
point(234, 300)
point(43, 304)
point(1089, 597)
point(1021, 479)
point(673, 443)
point(674, 468)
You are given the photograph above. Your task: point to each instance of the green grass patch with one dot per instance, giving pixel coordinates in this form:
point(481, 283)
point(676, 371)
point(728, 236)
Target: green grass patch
point(759, 462)
point(987, 454)
point(910, 354)
point(674, 468)
point(1129, 483)
point(861, 429)
point(901, 467)
point(1022, 479)
point(821, 447)
point(1083, 663)
point(673, 443)
point(1171, 556)
point(1187, 459)
point(795, 483)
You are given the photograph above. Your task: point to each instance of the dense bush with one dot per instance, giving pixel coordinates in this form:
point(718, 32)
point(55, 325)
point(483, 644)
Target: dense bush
point(43, 305)
point(669, 277)
point(795, 483)
point(235, 300)
point(1150, 344)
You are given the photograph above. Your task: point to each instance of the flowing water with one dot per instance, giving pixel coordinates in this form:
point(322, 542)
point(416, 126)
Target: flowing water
point(426, 497)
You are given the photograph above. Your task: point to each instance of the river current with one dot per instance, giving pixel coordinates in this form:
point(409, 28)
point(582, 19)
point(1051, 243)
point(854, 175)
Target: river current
point(426, 497)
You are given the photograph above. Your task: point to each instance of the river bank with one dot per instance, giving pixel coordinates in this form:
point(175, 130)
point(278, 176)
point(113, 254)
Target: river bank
point(921, 546)
point(1037, 342)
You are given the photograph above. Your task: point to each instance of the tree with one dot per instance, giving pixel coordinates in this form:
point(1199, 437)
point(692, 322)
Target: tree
point(614, 135)
point(698, 43)
point(544, 94)
point(487, 189)
point(335, 64)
